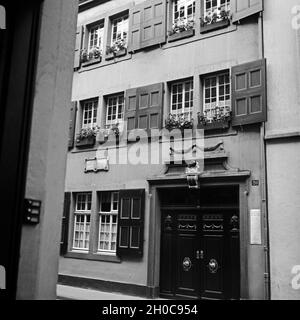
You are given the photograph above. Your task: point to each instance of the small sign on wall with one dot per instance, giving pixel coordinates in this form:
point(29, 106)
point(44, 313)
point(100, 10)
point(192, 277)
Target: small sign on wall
point(255, 227)
point(96, 164)
point(2, 278)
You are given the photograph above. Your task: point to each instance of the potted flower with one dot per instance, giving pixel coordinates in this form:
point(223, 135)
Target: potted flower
point(220, 119)
point(93, 56)
point(117, 49)
point(103, 134)
point(220, 18)
point(84, 56)
point(178, 122)
point(182, 28)
point(87, 137)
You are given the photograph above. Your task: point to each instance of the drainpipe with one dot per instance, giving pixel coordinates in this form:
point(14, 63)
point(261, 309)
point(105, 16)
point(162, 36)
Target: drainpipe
point(264, 184)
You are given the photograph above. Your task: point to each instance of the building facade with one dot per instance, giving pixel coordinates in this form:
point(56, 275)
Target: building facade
point(135, 222)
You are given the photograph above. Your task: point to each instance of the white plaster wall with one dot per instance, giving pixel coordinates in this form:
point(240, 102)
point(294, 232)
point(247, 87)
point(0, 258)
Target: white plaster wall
point(284, 217)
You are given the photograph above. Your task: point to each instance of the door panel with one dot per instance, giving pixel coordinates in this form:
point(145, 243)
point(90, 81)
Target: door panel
point(187, 268)
point(200, 254)
point(212, 268)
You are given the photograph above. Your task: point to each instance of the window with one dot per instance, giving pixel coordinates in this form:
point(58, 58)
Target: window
point(183, 12)
point(215, 9)
point(108, 222)
point(217, 99)
point(96, 37)
point(120, 29)
point(89, 114)
point(115, 110)
point(82, 221)
point(182, 98)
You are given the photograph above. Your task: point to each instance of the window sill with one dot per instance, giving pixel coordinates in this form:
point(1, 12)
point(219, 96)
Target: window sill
point(92, 256)
point(214, 26)
point(181, 35)
point(91, 62)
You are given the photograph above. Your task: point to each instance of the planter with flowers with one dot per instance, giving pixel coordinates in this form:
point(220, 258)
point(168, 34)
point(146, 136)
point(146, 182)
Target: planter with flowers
point(104, 134)
point(118, 49)
point(180, 122)
point(218, 19)
point(91, 57)
point(182, 29)
point(87, 137)
point(221, 120)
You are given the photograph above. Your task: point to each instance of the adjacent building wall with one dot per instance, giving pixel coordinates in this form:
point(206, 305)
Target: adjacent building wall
point(38, 265)
point(282, 43)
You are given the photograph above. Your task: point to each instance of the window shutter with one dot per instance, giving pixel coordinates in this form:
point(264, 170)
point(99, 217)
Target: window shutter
point(150, 107)
point(65, 224)
point(244, 8)
point(78, 47)
point(249, 93)
point(135, 26)
point(131, 105)
point(131, 223)
point(72, 124)
point(154, 23)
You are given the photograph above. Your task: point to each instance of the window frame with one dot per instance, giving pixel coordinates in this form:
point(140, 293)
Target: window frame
point(204, 88)
point(82, 213)
point(227, 6)
point(122, 17)
point(110, 123)
point(187, 3)
point(94, 115)
point(100, 38)
point(191, 109)
point(112, 213)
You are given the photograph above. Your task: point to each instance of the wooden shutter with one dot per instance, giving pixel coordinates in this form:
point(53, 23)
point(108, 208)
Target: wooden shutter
point(249, 93)
point(72, 124)
point(131, 105)
point(147, 24)
point(135, 26)
point(65, 224)
point(154, 23)
point(131, 223)
point(244, 8)
point(150, 107)
point(78, 47)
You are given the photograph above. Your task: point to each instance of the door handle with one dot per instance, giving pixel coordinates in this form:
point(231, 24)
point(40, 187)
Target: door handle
point(200, 255)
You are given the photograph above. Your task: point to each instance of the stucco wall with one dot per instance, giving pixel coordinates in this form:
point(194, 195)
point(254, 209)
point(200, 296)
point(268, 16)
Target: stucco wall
point(39, 254)
point(283, 155)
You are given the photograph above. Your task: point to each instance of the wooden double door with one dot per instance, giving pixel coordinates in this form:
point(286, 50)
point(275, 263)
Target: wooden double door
point(200, 254)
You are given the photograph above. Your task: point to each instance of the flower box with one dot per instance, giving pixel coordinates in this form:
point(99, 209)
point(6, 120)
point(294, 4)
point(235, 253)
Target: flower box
point(91, 62)
point(85, 142)
point(214, 26)
point(215, 125)
point(181, 35)
point(113, 55)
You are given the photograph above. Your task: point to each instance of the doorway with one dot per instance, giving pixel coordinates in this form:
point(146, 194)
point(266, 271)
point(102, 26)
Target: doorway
point(200, 244)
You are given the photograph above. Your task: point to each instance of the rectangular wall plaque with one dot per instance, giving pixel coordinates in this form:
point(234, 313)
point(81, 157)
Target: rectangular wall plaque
point(96, 164)
point(255, 227)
